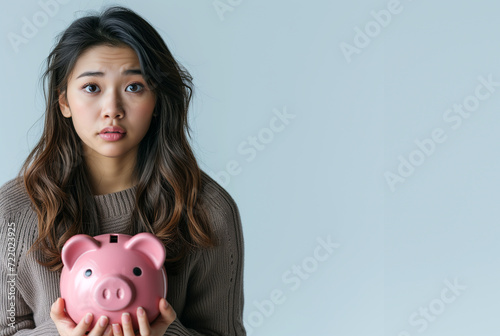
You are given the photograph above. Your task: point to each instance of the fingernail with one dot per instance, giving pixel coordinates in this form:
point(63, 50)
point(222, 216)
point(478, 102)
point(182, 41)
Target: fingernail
point(103, 321)
point(126, 317)
point(165, 304)
point(88, 318)
point(140, 311)
point(116, 329)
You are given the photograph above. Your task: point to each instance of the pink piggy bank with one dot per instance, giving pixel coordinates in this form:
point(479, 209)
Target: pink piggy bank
point(111, 274)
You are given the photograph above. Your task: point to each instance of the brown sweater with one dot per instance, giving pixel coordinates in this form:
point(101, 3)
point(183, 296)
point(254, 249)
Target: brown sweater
point(207, 294)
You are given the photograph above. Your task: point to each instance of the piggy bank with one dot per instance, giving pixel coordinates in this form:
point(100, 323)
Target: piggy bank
point(111, 274)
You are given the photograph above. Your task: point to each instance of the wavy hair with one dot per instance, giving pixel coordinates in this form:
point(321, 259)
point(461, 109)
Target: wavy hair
point(168, 201)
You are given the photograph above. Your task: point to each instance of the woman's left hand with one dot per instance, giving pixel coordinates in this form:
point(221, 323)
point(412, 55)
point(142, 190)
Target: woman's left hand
point(157, 328)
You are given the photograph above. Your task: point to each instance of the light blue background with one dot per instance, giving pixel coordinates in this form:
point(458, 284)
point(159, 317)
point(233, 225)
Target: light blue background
point(323, 175)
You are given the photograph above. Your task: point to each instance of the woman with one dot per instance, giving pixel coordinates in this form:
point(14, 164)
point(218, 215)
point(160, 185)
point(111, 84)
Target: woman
point(114, 157)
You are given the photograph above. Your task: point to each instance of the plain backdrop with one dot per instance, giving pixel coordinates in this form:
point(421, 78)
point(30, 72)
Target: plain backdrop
point(359, 139)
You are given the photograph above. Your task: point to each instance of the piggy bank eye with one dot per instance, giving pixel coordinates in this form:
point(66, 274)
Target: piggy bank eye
point(137, 271)
point(88, 273)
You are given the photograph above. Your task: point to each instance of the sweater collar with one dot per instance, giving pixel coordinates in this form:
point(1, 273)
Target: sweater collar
point(120, 203)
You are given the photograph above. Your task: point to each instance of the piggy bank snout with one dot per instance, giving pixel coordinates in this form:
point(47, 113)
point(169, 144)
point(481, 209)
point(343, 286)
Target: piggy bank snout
point(113, 292)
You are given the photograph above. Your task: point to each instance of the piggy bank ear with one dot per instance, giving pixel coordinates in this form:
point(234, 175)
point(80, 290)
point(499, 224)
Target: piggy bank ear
point(150, 246)
point(75, 247)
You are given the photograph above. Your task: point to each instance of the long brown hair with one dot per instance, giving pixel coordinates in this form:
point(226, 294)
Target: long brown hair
point(168, 201)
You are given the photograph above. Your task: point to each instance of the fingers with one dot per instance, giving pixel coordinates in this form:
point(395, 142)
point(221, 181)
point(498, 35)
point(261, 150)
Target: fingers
point(84, 324)
point(127, 327)
point(142, 318)
point(160, 325)
point(101, 327)
point(64, 323)
point(117, 330)
point(128, 330)
point(66, 326)
point(109, 331)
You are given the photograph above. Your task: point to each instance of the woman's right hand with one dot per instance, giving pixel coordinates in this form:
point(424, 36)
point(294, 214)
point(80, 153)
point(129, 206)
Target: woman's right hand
point(67, 327)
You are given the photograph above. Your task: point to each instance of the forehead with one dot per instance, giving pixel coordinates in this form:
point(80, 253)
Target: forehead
point(106, 59)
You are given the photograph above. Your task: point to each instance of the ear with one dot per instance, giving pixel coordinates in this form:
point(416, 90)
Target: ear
point(150, 246)
point(75, 247)
point(63, 105)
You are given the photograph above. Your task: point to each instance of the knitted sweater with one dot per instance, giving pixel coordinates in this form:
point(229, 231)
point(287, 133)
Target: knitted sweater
point(207, 294)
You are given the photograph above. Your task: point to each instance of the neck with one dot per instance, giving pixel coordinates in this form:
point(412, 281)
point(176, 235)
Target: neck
point(108, 174)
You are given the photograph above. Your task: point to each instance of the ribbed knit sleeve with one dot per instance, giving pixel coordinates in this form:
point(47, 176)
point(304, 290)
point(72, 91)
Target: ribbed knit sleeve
point(17, 284)
point(214, 302)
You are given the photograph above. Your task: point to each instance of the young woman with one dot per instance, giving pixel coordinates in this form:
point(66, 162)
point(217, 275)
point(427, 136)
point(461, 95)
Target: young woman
point(114, 158)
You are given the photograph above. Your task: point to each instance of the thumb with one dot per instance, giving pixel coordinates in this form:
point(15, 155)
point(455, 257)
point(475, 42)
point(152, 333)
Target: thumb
point(58, 314)
point(57, 309)
point(167, 312)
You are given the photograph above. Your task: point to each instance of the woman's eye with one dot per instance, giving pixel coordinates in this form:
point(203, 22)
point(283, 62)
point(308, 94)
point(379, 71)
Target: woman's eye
point(86, 86)
point(134, 87)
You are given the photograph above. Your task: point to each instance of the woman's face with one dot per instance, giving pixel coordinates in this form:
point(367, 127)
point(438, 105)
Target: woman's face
point(106, 89)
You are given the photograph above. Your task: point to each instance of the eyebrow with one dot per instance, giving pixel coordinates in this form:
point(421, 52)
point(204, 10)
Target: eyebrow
point(101, 74)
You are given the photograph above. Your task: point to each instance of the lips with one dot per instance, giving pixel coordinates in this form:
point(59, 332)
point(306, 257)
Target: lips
point(112, 129)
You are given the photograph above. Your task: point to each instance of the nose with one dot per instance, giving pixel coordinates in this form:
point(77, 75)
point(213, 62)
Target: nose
point(112, 107)
point(113, 293)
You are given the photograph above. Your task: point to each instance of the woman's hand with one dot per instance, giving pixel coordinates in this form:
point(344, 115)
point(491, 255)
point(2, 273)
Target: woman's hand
point(158, 328)
point(67, 327)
